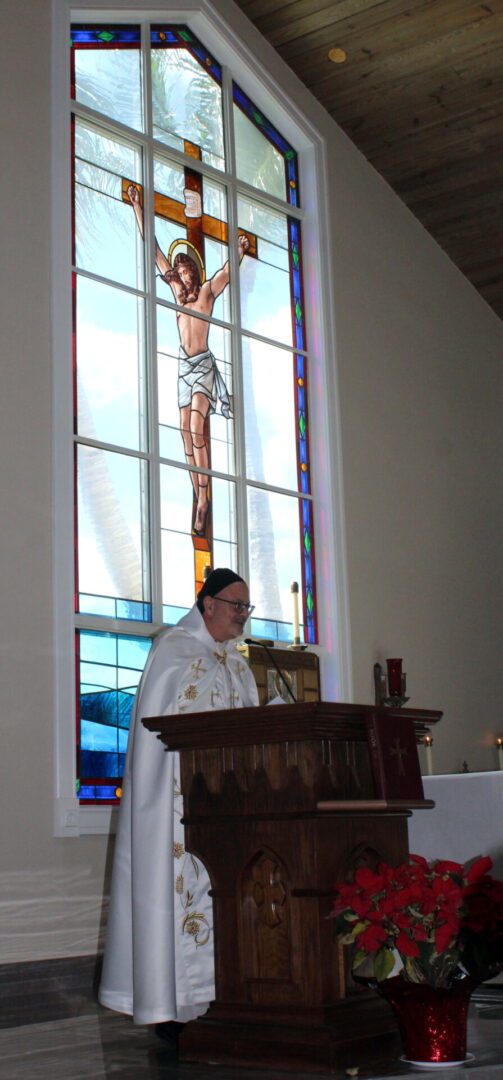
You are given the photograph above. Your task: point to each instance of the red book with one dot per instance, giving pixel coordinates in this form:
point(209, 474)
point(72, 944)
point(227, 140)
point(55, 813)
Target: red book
point(394, 757)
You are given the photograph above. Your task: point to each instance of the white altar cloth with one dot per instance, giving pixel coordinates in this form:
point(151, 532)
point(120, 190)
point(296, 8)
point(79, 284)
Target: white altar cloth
point(467, 819)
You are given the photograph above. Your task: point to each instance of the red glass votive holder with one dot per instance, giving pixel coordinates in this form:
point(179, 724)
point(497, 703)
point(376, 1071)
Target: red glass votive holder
point(394, 677)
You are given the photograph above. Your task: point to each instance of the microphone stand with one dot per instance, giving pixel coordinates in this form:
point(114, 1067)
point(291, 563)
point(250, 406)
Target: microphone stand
point(250, 641)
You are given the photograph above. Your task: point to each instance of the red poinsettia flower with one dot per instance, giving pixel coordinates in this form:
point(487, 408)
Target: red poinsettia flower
point(428, 912)
point(406, 946)
point(479, 868)
point(445, 936)
point(443, 866)
point(372, 938)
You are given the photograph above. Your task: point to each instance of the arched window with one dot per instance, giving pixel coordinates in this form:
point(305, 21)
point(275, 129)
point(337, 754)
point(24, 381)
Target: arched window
point(190, 361)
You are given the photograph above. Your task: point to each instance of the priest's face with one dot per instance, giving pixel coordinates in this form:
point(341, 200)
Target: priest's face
point(222, 619)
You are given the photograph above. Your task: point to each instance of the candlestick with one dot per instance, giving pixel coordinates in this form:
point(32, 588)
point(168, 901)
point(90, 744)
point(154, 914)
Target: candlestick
point(499, 745)
point(294, 589)
point(394, 678)
point(428, 744)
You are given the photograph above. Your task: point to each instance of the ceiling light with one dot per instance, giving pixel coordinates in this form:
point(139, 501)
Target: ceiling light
point(337, 55)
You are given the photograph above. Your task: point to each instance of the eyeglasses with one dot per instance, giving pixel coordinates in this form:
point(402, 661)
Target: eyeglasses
point(239, 605)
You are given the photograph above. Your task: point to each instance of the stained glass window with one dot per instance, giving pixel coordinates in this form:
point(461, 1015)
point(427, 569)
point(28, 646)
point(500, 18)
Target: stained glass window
point(190, 360)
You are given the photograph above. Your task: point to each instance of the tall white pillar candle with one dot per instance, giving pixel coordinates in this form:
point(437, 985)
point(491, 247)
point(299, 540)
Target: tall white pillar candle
point(294, 589)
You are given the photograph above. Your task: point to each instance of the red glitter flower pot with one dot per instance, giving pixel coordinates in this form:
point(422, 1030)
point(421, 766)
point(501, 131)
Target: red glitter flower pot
point(432, 1022)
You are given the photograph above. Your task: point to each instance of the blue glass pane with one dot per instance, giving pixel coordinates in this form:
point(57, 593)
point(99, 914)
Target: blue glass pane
point(99, 675)
point(107, 693)
point(95, 792)
point(94, 763)
point(132, 652)
point(263, 629)
point(110, 707)
point(100, 737)
point(113, 608)
point(134, 610)
point(172, 615)
point(102, 648)
point(97, 605)
point(105, 37)
point(273, 630)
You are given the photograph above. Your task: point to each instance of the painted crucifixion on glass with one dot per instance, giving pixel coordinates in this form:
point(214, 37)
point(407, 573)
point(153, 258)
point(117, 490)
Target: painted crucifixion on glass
point(201, 386)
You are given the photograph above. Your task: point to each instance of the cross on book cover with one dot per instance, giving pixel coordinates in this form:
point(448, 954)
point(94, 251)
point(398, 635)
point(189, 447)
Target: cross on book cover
point(394, 757)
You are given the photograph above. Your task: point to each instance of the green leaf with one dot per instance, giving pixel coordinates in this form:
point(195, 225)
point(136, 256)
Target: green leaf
point(362, 925)
point(383, 964)
point(358, 958)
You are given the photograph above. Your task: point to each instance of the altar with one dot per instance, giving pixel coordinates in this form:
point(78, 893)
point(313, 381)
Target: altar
point(466, 820)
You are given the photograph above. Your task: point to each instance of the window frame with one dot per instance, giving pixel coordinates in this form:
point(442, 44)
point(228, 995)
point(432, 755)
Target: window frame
point(221, 37)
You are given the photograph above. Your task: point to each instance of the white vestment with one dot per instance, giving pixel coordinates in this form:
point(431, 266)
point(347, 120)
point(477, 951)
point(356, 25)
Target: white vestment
point(158, 962)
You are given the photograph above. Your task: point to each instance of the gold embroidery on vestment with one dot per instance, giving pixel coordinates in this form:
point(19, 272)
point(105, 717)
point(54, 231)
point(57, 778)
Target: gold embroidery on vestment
point(190, 692)
point(196, 924)
point(198, 669)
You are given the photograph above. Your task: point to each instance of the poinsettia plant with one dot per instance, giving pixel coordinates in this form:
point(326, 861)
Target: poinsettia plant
point(433, 921)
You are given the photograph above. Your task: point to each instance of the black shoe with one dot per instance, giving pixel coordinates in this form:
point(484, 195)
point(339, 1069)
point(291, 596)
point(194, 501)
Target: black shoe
point(169, 1031)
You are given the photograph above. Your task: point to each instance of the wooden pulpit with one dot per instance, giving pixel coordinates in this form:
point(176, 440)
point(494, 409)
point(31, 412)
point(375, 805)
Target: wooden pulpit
point(279, 804)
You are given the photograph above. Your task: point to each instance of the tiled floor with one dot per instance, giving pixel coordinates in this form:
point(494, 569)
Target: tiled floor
point(90, 1043)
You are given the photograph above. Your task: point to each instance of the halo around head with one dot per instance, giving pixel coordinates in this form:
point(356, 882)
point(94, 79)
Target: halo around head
point(185, 247)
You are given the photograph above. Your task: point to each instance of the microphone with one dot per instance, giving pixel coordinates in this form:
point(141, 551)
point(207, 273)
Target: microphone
point(250, 641)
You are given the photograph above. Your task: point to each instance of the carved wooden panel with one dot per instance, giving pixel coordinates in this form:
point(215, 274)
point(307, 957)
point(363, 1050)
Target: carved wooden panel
point(264, 917)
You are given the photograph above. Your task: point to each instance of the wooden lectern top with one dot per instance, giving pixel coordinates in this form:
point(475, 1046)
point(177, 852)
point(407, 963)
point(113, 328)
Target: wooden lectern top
point(284, 756)
point(265, 724)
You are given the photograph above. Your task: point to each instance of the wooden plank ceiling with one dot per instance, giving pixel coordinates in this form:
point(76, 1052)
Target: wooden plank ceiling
point(421, 95)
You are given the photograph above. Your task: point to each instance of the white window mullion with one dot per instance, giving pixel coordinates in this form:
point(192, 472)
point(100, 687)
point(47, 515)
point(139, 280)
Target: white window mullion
point(237, 362)
point(154, 492)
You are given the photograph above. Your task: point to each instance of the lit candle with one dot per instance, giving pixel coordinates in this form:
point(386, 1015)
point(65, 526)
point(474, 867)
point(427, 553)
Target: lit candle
point(499, 744)
point(428, 743)
point(294, 589)
point(394, 678)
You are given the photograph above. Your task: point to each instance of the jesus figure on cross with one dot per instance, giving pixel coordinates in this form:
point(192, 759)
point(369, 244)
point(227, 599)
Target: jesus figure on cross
point(201, 388)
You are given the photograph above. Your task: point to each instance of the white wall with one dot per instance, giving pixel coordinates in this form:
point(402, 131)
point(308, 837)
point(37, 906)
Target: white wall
point(418, 361)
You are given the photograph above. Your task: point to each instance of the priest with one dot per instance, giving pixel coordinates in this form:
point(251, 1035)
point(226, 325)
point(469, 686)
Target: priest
point(158, 964)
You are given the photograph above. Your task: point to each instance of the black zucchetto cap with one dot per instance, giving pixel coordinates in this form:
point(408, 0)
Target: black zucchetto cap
point(216, 581)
